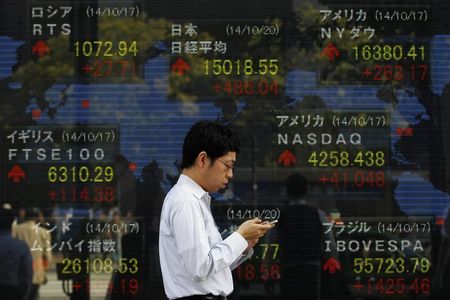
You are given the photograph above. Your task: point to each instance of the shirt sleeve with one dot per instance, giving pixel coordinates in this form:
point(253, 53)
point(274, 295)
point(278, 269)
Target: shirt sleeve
point(241, 259)
point(192, 240)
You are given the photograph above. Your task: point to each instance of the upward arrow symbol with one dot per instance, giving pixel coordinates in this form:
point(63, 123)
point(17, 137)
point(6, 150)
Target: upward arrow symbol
point(287, 158)
point(40, 48)
point(16, 174)
point(180, 67)
point(331, 51)
point(332, 265)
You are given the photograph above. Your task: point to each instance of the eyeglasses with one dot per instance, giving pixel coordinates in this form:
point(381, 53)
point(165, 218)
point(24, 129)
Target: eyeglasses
point(226, 165)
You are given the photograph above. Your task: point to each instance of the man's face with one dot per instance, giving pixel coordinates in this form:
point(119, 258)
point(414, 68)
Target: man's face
point(218, 173)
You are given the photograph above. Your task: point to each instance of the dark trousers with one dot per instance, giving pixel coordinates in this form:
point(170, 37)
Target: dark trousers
point(34, 292)
point(9, 292)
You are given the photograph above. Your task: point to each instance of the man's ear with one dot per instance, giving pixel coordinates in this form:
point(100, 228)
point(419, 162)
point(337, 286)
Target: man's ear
point(202, 160)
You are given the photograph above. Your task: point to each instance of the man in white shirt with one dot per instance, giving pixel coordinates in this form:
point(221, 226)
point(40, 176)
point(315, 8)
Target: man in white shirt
point(195, 262)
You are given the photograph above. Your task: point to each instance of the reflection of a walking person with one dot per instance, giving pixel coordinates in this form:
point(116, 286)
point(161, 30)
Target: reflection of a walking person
point(39, 242)
point(195, 262)
point(15, 261)
point(301, 230)
point(301, 227)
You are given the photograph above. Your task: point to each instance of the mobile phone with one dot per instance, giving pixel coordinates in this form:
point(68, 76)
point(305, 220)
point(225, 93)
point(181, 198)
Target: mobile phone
point(271, 222)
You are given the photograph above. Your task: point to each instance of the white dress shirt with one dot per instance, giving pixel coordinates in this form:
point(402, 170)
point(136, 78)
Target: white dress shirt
point(194, 259)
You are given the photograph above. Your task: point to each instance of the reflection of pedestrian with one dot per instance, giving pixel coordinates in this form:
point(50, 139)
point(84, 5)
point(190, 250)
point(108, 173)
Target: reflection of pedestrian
point(39, 241)
point(304, 240)
point(303, 235)
point(15, 261)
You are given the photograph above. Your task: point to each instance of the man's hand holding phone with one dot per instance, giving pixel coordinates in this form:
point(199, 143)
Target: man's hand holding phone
point(255, 228)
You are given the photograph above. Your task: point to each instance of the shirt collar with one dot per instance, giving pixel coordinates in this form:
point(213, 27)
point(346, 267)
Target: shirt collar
point(194, 187)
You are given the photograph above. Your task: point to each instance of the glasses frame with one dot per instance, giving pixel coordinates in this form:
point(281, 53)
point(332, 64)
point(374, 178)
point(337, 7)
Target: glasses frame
point(226, 165)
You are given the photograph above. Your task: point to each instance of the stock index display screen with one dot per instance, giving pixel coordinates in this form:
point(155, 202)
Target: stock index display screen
point(341, 107)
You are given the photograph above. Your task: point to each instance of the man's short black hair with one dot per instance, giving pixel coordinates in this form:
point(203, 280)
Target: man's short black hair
point(296, 186)
point(6, 219)
point(213, 138)
point(32, 213)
